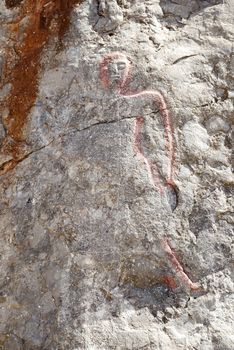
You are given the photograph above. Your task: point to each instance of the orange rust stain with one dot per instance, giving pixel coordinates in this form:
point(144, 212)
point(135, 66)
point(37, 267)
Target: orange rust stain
point(36, 23)
point(10, 164)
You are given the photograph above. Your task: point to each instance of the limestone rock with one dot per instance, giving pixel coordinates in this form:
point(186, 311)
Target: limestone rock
point(116, 226)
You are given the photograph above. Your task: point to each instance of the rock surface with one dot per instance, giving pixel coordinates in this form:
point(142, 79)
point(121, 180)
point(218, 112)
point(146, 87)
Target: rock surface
point(116, 175)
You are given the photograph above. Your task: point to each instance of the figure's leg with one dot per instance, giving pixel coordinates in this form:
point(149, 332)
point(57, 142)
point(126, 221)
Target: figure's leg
point(175, 264)
point(178, 269)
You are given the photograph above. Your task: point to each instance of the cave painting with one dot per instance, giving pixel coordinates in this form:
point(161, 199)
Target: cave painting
point(115, 72)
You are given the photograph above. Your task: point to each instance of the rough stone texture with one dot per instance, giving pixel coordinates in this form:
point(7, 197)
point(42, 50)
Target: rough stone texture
point(98, 251)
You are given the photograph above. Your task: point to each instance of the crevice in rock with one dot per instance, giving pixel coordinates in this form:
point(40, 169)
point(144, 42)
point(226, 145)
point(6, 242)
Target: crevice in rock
point(11, 164)
point(173, 197)
point(184, 58)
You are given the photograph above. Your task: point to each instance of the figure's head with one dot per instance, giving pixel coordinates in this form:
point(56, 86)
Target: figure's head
point(114, 70)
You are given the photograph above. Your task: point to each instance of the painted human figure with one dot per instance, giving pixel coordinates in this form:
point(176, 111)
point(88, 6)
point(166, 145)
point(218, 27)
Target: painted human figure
point(115, 70)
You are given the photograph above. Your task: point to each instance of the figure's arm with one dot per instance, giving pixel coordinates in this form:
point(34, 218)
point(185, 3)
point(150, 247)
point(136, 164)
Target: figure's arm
point(166, 120)
point(164, 113)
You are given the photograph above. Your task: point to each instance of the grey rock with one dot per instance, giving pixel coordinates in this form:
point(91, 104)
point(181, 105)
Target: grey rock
point(216, 124)
point(108, 222)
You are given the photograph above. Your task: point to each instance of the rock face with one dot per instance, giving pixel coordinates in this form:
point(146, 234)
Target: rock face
point(116, 175)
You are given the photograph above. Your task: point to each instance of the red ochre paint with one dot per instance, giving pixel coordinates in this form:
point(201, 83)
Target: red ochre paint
point(160, 103)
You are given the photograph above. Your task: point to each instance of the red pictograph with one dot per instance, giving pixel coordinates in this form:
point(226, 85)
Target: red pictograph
point(115, 73)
